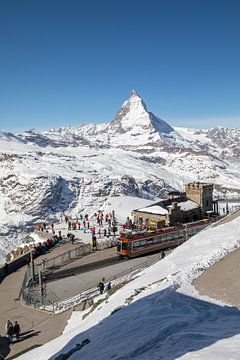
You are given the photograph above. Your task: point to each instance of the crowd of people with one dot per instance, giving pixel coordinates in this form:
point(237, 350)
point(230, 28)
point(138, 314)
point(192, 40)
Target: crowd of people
point(99, 225)
point(42, 247)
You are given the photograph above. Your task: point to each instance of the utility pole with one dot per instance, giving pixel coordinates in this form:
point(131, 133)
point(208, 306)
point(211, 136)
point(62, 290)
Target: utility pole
point(41, 287)
point(114, 224)
point(32, 267)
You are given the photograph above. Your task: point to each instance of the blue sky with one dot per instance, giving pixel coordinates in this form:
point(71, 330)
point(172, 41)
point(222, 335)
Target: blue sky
point(68, 62)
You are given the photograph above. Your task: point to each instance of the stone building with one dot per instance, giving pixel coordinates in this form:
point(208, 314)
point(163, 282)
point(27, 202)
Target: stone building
point(178, 208)
point(202, 194)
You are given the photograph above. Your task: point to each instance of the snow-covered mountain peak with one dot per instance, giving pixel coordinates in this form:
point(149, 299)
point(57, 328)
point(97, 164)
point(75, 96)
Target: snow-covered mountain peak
point(133, 116)
point(136, 102)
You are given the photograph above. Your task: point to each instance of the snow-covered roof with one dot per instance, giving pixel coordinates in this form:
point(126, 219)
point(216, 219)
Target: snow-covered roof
point(155, 209)
point(188, 205)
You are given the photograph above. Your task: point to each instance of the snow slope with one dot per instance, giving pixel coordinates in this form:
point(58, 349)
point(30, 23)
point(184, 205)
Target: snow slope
point(160, 315)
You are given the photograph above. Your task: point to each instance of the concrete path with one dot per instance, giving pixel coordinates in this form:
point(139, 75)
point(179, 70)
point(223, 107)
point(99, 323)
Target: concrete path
point(222, 281)
point(86, 272)
point(37, 327)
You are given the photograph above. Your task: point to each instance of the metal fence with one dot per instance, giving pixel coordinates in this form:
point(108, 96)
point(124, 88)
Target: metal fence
point(60, 306)
point(34, 291)
point(65, 258)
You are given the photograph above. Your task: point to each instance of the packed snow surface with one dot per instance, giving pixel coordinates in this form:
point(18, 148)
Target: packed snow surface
point(155, 209)
point(188, 205)
point(160, 315)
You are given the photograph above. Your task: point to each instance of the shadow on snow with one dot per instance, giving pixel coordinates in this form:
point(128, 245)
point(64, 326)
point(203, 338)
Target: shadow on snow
point(164, 325)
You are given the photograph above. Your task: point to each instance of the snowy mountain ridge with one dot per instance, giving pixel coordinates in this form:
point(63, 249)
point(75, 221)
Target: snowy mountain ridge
point(74, 169)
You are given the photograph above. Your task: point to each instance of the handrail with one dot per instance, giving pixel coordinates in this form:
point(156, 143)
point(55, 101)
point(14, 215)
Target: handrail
point(92, 292)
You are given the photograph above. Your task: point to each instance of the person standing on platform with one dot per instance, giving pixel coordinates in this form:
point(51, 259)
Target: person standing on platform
point(101, 287)
point(16, 330)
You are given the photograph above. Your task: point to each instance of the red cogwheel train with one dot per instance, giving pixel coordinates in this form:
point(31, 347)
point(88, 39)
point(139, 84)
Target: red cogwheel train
point(135, 243)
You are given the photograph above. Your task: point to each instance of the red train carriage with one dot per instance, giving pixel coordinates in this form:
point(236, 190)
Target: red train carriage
point(131, 244)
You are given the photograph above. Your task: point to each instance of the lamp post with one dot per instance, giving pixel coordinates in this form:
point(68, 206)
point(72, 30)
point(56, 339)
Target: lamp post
point(32, 267)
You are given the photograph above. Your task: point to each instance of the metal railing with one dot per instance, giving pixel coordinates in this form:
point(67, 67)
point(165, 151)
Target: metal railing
point(34, 292)
point(65, 258)
point(42, 297)
point(61, 306)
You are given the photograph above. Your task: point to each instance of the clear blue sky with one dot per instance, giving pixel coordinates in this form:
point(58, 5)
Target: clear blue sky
point(68, 62)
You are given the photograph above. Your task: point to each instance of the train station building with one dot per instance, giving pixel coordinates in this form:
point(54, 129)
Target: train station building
point(191, 205)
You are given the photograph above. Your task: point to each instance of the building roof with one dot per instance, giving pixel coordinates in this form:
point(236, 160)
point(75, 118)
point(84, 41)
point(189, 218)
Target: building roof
point(161, 208)
point(188, 205)
point(154, 209)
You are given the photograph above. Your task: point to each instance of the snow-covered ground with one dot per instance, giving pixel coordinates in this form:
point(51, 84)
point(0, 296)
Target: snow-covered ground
point(160, 315)
point(79, 168)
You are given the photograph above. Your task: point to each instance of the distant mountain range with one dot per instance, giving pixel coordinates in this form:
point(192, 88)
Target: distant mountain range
point(76, 168)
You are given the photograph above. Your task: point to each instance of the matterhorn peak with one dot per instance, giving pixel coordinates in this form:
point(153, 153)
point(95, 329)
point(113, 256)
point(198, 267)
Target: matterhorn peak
point(134, 116)
point(135, 101)
point(134, 94)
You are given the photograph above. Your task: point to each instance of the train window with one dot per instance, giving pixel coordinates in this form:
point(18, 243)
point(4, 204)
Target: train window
point(125, 246)
point(119, 246)
point(150, 241)
point(162, 238)
point(143, 243)
point(136, 244)
point(156, 240)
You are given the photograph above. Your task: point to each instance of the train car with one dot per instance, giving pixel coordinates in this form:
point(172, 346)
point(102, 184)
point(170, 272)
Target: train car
point(131, 244)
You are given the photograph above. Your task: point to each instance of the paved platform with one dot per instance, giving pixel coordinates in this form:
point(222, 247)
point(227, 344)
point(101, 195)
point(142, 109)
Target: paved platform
point(39, 327)
point(86, 272)
point(222, 281)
